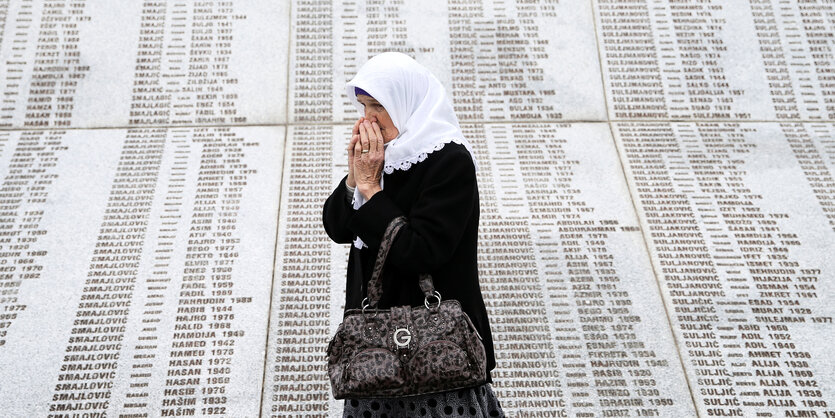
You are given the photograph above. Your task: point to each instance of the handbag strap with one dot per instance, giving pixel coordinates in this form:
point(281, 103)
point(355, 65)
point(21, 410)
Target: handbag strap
point(375, 285)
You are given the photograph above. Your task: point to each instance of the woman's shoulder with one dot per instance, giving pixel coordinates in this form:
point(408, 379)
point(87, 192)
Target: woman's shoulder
point(452, 153)
point(451, 160)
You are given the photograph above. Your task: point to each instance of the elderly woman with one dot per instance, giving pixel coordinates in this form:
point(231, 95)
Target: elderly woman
point(408, 157)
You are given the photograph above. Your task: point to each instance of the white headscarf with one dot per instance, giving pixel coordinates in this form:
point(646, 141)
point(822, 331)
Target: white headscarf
point(418, 106)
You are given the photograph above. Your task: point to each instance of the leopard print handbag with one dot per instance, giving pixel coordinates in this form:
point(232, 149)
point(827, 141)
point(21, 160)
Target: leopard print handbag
point(404, 351)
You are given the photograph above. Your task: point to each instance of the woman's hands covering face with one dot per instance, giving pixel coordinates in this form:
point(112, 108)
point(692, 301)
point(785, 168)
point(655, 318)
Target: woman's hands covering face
point(355, 137)
point(366, 167)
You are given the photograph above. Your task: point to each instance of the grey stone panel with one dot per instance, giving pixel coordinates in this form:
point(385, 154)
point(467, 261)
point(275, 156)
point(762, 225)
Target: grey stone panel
point(740, 225)
point(734, 324)
point(309, 280)
point(500, 61)
point(714, 60)
point(577, 318)
point(120, 64)
point(136, 269)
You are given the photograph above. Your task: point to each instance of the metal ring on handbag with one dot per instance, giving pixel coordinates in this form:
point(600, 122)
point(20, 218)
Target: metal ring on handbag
point(437, 296)
point(365, 305)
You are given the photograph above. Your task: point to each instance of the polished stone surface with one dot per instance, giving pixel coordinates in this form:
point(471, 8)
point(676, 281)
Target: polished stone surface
point(119, 64)
point(500, 61)
point(656, 200)
point(739, 220)
point(144, 286)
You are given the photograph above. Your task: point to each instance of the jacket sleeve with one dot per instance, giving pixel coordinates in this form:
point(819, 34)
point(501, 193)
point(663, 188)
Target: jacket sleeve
point(439, 216)
point(336, 214)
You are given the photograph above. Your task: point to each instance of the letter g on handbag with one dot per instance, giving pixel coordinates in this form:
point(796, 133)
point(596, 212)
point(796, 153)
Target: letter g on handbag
point(403, 351)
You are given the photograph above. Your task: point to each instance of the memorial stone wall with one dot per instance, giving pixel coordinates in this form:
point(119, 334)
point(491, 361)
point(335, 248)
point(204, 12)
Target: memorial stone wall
point(656, 184)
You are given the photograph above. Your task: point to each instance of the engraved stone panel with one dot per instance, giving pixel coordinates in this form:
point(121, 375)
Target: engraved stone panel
point(739, 220)
point(308, 297)
point(577, 319)
point(674, 259)
point(136, 269)
point(499, 61)
point(118, 64)
point(695, 59)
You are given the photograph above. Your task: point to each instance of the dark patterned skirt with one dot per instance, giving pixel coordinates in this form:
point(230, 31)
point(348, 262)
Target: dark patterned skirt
point(479, 401)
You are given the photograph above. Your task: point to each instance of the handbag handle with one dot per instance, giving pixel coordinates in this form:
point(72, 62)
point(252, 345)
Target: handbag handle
point(375, 285)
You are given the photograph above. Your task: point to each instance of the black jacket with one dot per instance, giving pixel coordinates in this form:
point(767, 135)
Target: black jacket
point(439, 197)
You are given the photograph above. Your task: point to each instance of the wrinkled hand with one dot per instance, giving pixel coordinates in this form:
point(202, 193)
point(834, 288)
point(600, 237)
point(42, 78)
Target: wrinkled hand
point(355, 137)
point(368, 166)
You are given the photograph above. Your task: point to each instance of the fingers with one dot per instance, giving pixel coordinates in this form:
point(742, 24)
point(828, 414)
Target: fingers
point(368, 165)
point(364, 136)
point(351, 180)
point(358, 149)
point(356, 130)
point(375, 138)
point(368, 151)
point(379, 142)
point(354, 139)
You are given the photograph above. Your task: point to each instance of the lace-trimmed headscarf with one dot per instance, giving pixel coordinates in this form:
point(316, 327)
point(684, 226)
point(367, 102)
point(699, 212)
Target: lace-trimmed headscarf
point(418, 106)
